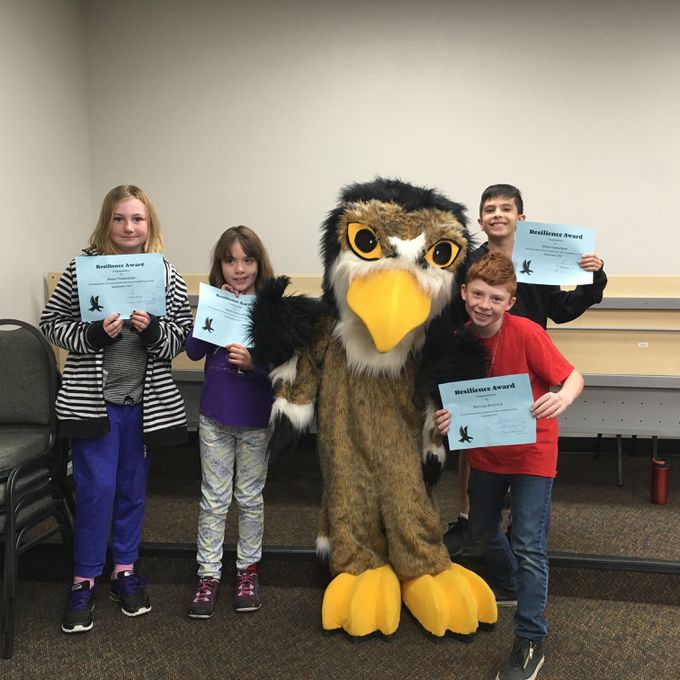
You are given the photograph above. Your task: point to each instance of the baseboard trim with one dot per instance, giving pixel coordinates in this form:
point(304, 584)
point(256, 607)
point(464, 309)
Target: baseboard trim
point(473, 556)
point(307, 554)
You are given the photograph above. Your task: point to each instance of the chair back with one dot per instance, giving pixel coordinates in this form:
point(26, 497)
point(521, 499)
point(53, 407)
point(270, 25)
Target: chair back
point(32, 474)
point(28, 376)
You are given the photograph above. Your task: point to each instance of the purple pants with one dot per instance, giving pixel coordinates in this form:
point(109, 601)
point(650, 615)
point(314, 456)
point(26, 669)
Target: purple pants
point(110, 475)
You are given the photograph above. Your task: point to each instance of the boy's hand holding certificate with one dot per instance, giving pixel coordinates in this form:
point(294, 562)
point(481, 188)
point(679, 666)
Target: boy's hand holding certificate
point(489, 412)
point(549, 253)
point(110, 284)
point(222, 318)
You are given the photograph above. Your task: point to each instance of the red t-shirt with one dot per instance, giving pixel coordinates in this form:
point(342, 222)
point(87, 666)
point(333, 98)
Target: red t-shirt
point(522, 346)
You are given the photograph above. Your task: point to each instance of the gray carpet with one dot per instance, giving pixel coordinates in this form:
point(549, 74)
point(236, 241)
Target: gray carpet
point(591, 514)
point(598, 640)
point(605, 625)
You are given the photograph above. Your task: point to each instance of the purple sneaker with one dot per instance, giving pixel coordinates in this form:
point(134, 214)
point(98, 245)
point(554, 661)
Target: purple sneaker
point(130, 590)
point(247, 591)
point(79, 607)
point(203, 602)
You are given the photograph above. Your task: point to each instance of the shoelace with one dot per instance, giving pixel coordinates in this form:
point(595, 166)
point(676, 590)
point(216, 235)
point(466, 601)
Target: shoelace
point(80, 599)
point(529, 656)
point(525, 652)
point(205, 590)
point(246, 585)
point(131, 584)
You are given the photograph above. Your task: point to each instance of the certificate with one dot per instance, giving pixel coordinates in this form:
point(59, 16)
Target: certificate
point(489, 412)
point(549, 253)
point(222, 318)
point(110, 284)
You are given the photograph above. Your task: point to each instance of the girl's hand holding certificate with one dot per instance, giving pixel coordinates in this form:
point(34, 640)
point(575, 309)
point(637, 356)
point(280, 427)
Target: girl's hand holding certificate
point(239, 356)
point(113, 324)
point(140, 320)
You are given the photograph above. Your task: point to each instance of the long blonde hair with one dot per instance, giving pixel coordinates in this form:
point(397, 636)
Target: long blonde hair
point(100, 239)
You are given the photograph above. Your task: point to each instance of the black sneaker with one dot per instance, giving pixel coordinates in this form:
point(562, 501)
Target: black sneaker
point(79, 608)
point(130, 590)
point(505, 597)
point(203, 602)
point(457, 536)
point(526, 659)
point(247, 596)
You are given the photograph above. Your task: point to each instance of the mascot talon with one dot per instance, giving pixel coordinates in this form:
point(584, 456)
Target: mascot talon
point(285, 437)
point(363, 604)
point(456, 600)
point(432, 469)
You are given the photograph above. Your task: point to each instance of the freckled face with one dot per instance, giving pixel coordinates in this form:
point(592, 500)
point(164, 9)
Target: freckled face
point(485, 306)
point(129, 227)
point(240, 270)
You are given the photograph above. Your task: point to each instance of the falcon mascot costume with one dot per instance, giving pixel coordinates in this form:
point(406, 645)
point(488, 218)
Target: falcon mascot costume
point(356, 359)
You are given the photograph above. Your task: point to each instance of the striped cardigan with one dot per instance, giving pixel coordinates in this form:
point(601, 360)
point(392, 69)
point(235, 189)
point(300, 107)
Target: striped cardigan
point(80, 406)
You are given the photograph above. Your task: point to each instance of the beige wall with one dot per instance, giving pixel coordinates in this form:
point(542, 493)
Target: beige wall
point(258, 113)
point(44, 157)
point(234, 112)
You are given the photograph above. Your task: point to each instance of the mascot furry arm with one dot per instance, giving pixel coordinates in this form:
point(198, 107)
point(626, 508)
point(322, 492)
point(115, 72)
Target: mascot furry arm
point(390, 251)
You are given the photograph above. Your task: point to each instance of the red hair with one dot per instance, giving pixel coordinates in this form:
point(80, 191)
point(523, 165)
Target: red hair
point(495, 269)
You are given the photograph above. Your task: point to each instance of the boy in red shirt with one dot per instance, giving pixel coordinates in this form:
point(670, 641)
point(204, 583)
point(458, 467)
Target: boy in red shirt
point(516, 345)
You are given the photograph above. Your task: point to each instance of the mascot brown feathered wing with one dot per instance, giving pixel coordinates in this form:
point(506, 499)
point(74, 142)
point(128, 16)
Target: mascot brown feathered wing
point(390, 252)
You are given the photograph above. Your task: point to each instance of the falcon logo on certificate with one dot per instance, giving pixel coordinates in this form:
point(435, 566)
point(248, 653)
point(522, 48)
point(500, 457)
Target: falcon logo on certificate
point(464, 436)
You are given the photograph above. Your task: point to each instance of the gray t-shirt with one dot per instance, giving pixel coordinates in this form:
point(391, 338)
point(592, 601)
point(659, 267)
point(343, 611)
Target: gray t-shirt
point(124, 368)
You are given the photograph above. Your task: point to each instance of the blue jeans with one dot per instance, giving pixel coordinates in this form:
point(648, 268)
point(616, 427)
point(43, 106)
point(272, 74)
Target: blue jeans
point(110, 474)
point(524, 566)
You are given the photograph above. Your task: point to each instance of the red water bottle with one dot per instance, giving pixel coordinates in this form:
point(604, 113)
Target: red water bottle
point(660, 469)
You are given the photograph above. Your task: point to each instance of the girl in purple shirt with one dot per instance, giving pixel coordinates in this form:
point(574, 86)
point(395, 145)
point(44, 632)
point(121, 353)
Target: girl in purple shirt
point(234, 414)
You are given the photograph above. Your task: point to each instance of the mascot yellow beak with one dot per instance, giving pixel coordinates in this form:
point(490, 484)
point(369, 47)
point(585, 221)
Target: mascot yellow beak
point(390, 303)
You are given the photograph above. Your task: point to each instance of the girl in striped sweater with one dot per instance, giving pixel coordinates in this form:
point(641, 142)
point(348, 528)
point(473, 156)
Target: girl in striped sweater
point(117, 397)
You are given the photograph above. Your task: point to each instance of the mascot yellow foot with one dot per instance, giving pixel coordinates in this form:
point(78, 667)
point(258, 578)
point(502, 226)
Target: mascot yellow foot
point(455, 600)
point(363, 604)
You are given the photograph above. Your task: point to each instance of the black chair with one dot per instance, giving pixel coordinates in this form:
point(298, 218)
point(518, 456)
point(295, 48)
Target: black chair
point(33, 492)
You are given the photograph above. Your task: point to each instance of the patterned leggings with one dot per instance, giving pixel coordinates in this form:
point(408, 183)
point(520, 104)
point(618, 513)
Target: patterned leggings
point(233, 462)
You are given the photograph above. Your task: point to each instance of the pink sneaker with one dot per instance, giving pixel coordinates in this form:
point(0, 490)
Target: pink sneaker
point(204, 599)
point(247, 591)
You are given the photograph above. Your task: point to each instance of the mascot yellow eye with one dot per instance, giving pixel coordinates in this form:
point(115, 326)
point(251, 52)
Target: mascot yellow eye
point(442, 254)
point(363, 241)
